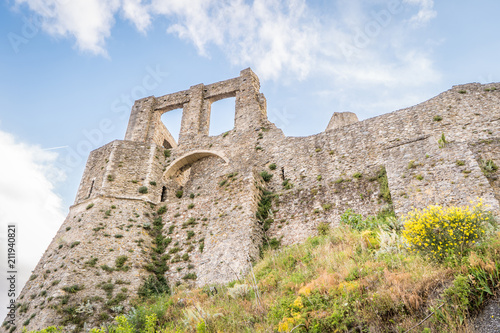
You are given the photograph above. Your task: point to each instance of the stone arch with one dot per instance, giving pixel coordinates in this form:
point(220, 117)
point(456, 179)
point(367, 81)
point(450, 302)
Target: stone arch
point(189, 158)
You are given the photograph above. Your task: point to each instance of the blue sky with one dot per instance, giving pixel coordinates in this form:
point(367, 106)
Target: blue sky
point(69, 70)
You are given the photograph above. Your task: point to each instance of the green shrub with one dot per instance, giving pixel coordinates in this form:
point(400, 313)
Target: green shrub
point(357, 175)
point(357, 222)
point(111, 178)
point(89, 206)
point(442, 141)
point(287, 184)
point(107, 268)
point(190, 234)
point(152, 183)
point(72, 245)
point(488, 166)
point(143, 189)
point(74, 288)
point(438, 232)
point(190, 276)
point(384, 185)
point(323, 228)
point(190, 222)
point(179, 193)
point(91, 262)
point(437, 118)
point(319, 177)
point(265, 205)
point(161, 210)
point(272, 244)
point(266, 176)
point(120, 261)
point(166, 153)
point(154, 285)
point(353, 220)
point(272, 166)
point(191, 206)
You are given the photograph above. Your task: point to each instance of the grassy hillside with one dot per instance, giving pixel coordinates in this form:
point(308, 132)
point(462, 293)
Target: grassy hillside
point(367, 275)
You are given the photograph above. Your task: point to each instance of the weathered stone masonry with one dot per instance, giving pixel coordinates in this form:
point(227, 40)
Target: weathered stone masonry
point(211, 188)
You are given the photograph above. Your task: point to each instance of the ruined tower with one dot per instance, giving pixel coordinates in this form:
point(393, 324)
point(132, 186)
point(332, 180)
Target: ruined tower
point(149, 207)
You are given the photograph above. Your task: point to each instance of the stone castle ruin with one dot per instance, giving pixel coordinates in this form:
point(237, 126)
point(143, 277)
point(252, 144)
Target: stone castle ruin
point(200, 210)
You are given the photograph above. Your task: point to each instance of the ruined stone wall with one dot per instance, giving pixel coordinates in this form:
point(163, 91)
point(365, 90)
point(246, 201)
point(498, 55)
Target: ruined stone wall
point(93, 176)
point(79, 268)
point(205, 190)
point(120, 168)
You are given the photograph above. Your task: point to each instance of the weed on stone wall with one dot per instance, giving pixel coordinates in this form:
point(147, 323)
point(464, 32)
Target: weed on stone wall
point(381, 178)
point(264, 218)
point(287, 185)
point(442, 141)
point(488, 167)
point(266, 176)
point(156, 283)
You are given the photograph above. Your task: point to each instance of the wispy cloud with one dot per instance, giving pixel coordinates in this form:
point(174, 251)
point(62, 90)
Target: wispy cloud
point(347, 43)
point(274, 36)
point(27, 198)
point(425, 13)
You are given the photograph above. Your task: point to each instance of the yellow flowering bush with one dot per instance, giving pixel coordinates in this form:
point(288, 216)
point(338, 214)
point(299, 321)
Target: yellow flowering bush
point(438, 231)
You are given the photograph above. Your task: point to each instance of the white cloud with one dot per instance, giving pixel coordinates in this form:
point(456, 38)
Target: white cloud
point(425, 13)
point(88, 21)
point(27, 199)
point(353, 44)
point(138, 13)
point(275, 37)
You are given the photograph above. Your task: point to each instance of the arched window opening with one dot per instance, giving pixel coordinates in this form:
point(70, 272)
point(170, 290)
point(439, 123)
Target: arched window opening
point(222, 116)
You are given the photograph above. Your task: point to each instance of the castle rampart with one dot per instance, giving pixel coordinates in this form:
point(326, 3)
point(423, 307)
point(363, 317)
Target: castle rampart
point(211, 187)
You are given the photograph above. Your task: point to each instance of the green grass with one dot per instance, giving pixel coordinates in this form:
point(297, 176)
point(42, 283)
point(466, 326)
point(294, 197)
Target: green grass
point(355, 277)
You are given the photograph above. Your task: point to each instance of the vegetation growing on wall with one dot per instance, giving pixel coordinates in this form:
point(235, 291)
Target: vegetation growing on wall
point(156, 283)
